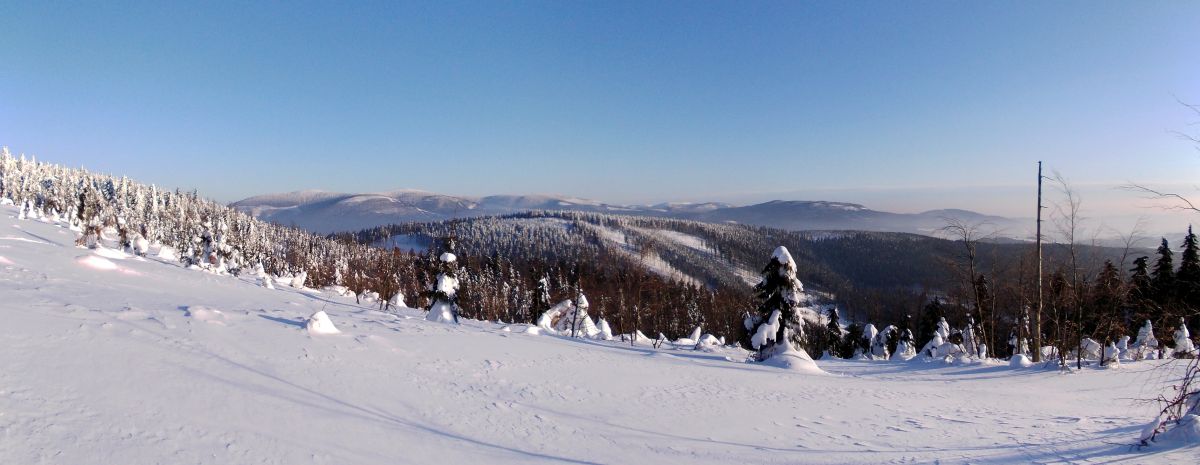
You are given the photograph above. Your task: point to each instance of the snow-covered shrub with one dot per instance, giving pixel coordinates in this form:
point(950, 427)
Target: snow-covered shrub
point(575, 321)
point(1145, 346)
point(605, 330)
point(298, 280)
point(397, 300)
point(1111, 356)
point(932, 347)
point(1091, 349)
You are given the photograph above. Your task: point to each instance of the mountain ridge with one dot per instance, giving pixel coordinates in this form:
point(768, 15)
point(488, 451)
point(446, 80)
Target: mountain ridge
point(327, 212)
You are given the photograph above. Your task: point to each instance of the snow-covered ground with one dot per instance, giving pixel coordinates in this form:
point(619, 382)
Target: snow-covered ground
point(108, 359)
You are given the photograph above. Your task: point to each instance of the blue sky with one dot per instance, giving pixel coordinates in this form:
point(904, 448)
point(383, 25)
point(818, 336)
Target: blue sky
point(905, 106)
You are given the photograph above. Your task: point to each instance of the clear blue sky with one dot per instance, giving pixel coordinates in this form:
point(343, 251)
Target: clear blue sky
point(892, 103)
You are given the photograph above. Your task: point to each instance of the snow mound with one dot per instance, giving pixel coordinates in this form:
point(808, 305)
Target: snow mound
point(1020, 361)
point(97, 262)
point(790, 358)
point(1186, 432)
point(319, 323)
point(206, 314)
point(441, 312)
point(141, 246)
point(794, 360)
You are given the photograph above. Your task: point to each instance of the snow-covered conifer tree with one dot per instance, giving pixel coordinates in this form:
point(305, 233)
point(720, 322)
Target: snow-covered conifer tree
point(866, 340)
point(1145, 346)
point(541, 298)
point(905, 349)
point(834, 331)
point(780, 293)
point(443, 306)
point(1184, 348)
point(879, 343)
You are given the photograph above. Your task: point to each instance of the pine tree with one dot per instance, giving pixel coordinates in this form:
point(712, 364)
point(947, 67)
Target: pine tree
point(932, 314)
point(1163, 276)
point(833, 330)
point(780, 292)
point(850, 342)
point(1188, 278)
point(1139, 279)
point(1108, 322)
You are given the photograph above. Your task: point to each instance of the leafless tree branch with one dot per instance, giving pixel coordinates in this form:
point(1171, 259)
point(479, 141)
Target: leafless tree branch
point(1182, 203)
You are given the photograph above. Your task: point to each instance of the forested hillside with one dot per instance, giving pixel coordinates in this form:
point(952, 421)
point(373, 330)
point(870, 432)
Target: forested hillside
point(870, 276)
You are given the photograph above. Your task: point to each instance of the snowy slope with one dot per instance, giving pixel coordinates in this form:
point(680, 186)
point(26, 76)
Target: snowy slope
point(105, 359)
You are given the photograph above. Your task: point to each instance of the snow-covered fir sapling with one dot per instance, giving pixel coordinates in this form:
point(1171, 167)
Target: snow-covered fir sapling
point(879, 343)
point(541, 298)
point(397, 300)
point(1145, 346)
point(780, 292)
point(605, 330)
point(88, 215)
point(866, 341)
point(905, 349)
point(443, 296)
point(1184, 348)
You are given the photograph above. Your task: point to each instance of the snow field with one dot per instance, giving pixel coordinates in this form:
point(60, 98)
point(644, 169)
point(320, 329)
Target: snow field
point(101, 367)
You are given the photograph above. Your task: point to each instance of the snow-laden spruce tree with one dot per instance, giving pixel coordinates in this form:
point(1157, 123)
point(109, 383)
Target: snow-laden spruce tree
point(834, 333)
point(541, 298)
point(866, 340)
point(777, 327)
point(905, 349)
point(943, 329)
point(443, 306)
point(1184, 348)
point(879, 343)
point(1145, 346)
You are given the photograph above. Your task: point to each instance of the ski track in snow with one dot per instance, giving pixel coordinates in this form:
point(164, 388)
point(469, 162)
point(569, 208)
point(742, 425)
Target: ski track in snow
point(171, 365)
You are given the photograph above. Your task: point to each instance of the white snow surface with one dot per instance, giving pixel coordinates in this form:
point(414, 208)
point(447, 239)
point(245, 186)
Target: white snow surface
point(103, 367)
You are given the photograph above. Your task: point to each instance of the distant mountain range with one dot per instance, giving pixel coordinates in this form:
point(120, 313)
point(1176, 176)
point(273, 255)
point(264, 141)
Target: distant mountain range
point(327, 212)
